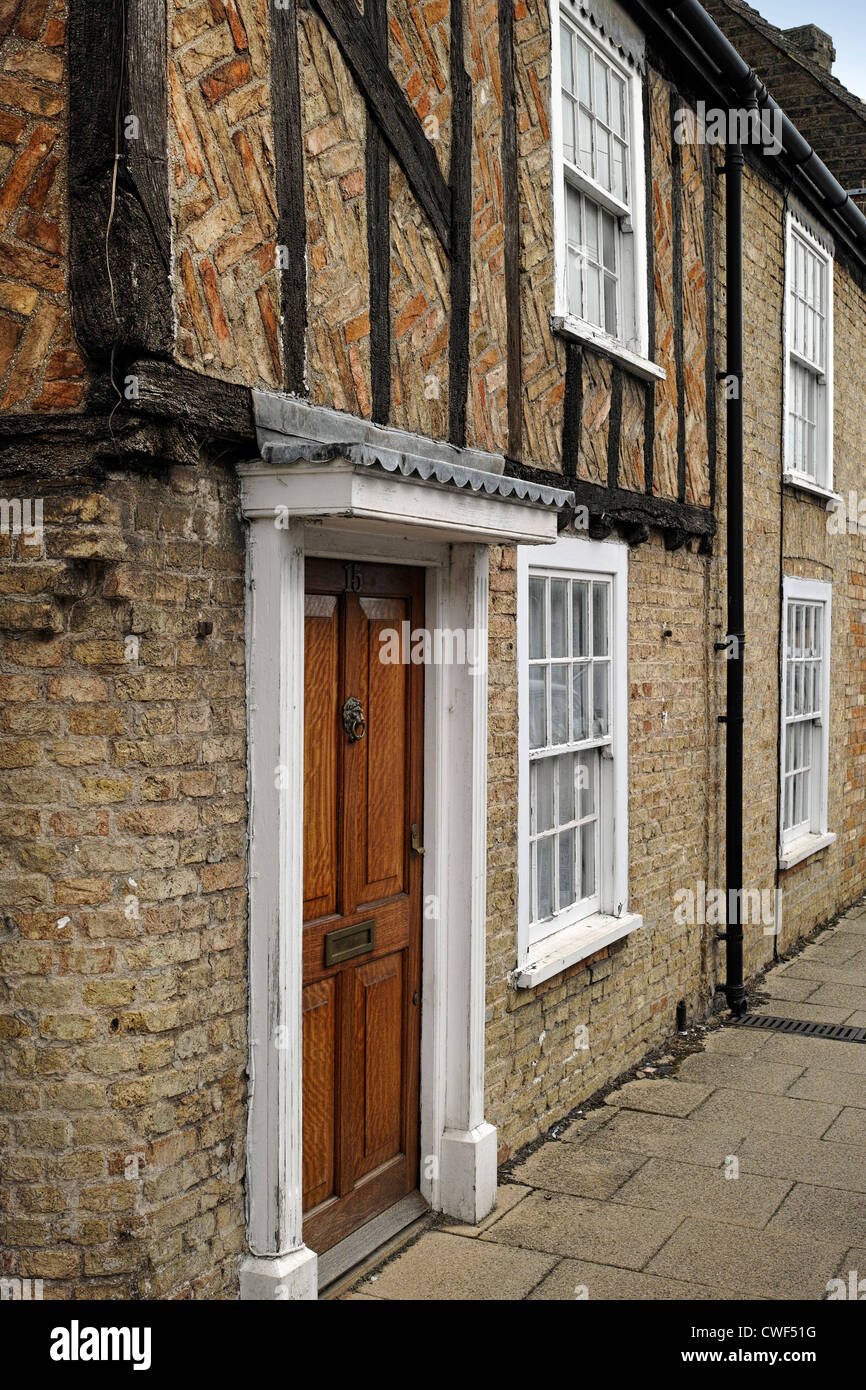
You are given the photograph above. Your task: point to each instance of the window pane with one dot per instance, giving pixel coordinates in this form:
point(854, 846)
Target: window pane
point(566, 869)
point(610, 313)
point(565, 774)
point(559, 617)
point(537, 635)
point(618, 169)
point(537, 706)
point(591, 229)
point(608, 242)
point(587, 763)
point(587, 860)
point(544, 872)
point(542, 800)
point(568, 128)
point(584, 130)
point(583, 85)
point(600, 719)
point(602, 156)
point(617, 104)
point(580, 702)
point(593, 296)
point(580, 618)
point(600, 107)
point(600, 594)
point(566, 58)
point(559, 704)
point(572, 203)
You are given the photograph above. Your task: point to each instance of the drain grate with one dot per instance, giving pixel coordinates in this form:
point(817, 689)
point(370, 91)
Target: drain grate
point(838, 1032)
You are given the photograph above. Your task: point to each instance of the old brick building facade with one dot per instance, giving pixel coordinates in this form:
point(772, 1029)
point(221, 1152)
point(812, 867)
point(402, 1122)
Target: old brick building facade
point(316, 318)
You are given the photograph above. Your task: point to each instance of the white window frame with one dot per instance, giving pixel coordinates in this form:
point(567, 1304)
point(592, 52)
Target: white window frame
point(822, 483)
point(794, 845)
point(571, 937)
point(632, 346)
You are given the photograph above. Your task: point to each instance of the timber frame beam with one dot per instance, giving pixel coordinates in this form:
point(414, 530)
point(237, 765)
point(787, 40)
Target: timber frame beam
point(120, 222)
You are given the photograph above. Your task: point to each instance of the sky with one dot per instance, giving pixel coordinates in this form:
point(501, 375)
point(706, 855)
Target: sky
point(844, 20)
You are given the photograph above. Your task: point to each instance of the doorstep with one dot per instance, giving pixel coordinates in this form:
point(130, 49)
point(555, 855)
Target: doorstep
point(370, 1244)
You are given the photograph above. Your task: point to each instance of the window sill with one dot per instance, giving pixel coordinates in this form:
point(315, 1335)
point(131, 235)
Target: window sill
point(801, 849)
point(579, 332)
point(804, 484)
point(571, 944)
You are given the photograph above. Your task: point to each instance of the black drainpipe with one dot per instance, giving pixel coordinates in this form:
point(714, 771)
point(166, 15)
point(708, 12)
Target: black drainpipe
point(735, 990)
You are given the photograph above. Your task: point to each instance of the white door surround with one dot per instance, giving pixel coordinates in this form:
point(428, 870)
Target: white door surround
point(458, 1147)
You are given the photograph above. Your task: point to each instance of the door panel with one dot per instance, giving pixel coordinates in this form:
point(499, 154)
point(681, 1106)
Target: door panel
point(321, 662)
point(379, 1037)
point(361, 988)
point(320, 1056)
point(386, 760)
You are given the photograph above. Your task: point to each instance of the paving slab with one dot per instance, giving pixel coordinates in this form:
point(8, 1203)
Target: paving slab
point(808, 1013)
point(584, 1170)
point(764, 1264)
point(853, 1263)
point(740, 1073)
point(571, 1278)
point(816, 1210)
point(507, 1196)
point(804, 1160)
point(662, 1097)
point(814, 970)
point(839, 996)
point(439, 1267)
point(819, 1083)
point(736, 1042)
point(833, 953)
point(597, 1231)
point(780, 1114)
point(666, 1185)
point(815, 1052)
point(668, 1136)
point(858, 1019)
point(849, 1128)
point(791, 988)
point(585, 1125)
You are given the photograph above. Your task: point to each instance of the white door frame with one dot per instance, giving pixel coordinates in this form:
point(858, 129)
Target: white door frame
point(458, 1148)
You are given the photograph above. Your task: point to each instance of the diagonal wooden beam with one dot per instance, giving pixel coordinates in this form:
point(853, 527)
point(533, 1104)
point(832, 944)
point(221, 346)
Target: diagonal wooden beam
point(394, 116)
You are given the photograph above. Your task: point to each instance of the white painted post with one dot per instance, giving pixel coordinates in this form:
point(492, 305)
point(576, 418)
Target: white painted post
point(279, 1265)
point(467, 1171)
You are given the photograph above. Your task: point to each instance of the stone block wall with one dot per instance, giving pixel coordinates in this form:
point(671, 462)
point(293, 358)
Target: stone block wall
point(625, 995)
point(123, 952)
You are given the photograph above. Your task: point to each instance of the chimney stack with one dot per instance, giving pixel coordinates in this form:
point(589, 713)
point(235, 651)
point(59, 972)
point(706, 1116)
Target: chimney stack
point(815, 43)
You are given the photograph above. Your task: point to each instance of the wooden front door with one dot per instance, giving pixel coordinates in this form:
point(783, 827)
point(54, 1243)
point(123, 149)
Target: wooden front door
point(363, 742)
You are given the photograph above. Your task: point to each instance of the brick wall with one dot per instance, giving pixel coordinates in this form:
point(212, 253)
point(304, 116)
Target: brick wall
point(831, 118)
point(627, 994)
point(787, 532)
point(40, 367)
point(226, 290)
point(122, 891)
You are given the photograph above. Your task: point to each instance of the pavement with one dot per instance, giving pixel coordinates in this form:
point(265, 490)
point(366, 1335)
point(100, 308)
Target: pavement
point(740, 1176)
